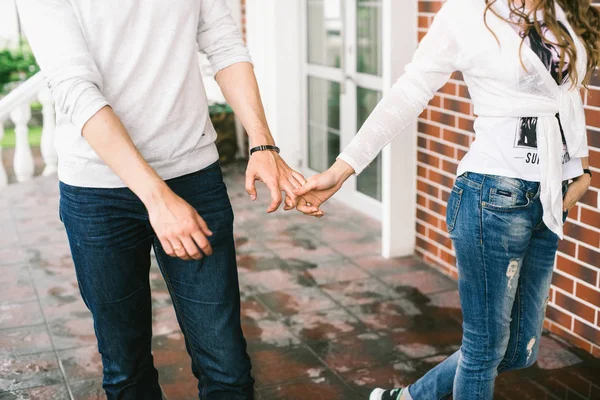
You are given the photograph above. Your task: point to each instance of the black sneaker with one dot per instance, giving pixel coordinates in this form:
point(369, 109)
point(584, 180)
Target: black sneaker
point(382, 394)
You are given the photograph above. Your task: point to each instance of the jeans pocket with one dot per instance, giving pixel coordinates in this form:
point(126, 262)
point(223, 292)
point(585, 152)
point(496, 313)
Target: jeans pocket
point(453, 207)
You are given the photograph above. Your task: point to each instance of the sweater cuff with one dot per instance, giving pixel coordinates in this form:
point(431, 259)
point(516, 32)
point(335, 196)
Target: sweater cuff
point(228, 62)
point(350, 161)
point(94, 102)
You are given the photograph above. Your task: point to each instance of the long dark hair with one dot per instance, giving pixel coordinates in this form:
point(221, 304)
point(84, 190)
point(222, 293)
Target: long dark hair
point(583, 17)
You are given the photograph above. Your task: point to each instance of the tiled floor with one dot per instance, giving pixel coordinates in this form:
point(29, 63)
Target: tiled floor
point(324, 315)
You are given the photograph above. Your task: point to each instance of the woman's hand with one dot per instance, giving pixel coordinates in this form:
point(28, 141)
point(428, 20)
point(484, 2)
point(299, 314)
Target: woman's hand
point(319, 188)
point(576, 191)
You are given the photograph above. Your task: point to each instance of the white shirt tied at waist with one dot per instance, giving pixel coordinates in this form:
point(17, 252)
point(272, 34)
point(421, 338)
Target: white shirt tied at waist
point(492, 67)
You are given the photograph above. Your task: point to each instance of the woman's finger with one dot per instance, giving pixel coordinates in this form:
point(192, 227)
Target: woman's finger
point(310, 185)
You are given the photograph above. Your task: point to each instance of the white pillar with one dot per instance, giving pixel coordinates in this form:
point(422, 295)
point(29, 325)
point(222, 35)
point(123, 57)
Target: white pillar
point(3, 177)
point(49, 128)
point(274, 39)
point(23, 162)
point(400, 157)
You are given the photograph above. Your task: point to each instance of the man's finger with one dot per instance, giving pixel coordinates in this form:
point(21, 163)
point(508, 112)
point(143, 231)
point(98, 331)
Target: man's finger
point(305, 208)
point(203, 226)
point(299, 177)
point(190, 248)
point(276, 198)
point(178, 249)
point(202, 242)
point(289, 204)
point(167, 248)
point(250, 187)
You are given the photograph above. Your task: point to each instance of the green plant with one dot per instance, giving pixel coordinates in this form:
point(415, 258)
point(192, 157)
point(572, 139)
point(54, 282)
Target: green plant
point(16, 66)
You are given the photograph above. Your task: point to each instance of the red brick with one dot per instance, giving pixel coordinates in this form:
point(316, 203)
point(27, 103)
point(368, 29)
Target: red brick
point(584, 344)
point(576, 307)
point(594, 158)
point(463, 91)
point(590, 217)
point(587, 332)
point(422, 200)
point(448, 257)
point(455, 137)
point(457, 106)
point(574, 269)
point(567, 247)
point(589, 256)
point(466, 124)
point(592, 117)
point(437, 237)
point(428, 247)
point(563, 282)
point(590, 198)
point(427, 188)
point(428, 159)
point(449, 88)
point(441, 148)
point(436, 101)
point(441, 179)
point(558, 316)
point(421, 171)
point(427, 218)
point(420, 36)
point(430, 6)
point(421, 229)
point(588, 294)
point(428, 129)
point(443, 118)
point(423, 22)
point(422, 143)
point(450, 167)
point(582, 234)
point(437, 208)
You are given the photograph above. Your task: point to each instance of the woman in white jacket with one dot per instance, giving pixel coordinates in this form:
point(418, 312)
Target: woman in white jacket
point(524, 62)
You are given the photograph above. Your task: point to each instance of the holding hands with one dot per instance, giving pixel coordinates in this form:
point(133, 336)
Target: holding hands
point(319, 188)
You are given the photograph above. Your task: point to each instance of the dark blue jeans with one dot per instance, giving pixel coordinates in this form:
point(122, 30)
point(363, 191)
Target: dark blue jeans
point(505, 257)
point(111, 239)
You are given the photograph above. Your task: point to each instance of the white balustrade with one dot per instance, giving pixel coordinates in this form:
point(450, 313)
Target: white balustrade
point(49, 120)
point(3, 177)
point(17, 106)
point(23, 162)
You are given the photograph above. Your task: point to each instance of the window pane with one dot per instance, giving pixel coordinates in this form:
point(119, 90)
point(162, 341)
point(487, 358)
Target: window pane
point(325, 32)
point(323, 123)
point(369, 182)
point(369, 33)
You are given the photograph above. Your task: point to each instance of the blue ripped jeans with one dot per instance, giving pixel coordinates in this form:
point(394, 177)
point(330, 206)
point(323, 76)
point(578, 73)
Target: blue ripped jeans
point(111, 239)
point(505, 257)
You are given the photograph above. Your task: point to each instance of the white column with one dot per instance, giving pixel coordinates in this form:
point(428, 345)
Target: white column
point(49, 128)
point(23, 162)
point(400, 157)
point(274, 38)
point(3, 177)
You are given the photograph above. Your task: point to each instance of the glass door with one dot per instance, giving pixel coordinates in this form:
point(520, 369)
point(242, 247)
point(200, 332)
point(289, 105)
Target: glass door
point(343, 85)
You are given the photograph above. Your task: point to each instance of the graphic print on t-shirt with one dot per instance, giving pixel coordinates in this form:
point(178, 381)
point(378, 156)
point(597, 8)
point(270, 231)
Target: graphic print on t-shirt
point(549, 54)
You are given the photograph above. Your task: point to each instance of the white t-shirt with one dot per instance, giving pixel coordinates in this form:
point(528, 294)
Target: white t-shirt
point(508, 146)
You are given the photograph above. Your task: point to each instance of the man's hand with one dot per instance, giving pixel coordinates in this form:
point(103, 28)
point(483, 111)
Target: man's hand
point(319, 188)
point(576, 191)
point(181, 231)
point(269, 168)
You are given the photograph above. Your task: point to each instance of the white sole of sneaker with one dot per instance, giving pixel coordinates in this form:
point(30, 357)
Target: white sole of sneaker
point(376, 394)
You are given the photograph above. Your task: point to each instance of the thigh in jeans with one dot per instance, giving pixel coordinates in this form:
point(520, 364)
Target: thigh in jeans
point(491, 232)
point(206, 294)
point(110, 242)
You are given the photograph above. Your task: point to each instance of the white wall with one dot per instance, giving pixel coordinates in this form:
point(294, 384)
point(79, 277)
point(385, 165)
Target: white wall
point(273, 34)
point(8, 24)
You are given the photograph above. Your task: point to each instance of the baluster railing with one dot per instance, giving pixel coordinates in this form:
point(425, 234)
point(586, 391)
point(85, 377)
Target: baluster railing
point(3, 177)
point(17, 106)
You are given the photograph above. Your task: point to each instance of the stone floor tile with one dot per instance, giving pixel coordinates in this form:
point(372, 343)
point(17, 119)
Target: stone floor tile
point(24, 372)
point(20, 314)
point(83, 363)
point(25, 340)
point(301, 300)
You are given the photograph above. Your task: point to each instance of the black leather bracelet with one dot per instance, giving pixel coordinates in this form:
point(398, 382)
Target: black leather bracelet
point(587, 171)
point(265, 147)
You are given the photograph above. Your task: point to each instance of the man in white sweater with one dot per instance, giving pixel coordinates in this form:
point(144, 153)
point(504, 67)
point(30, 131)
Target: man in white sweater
point(138, 170)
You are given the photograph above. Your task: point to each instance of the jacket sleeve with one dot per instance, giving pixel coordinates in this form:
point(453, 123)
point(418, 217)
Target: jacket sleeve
point(61, 51)
point(219, 37)
point(430, 69)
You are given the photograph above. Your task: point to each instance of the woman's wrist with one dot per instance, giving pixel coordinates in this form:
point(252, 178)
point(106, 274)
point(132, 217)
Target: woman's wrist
point(341, 171)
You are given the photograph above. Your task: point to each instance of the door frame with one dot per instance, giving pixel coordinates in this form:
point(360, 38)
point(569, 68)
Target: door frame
point(349, 80)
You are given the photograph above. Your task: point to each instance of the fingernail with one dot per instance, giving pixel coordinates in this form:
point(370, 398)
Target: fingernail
point(252, 197)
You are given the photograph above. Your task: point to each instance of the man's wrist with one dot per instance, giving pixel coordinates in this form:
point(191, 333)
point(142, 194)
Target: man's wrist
point(261, 138)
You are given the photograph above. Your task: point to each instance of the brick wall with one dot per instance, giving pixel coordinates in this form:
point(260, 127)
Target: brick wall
point(445, 132)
